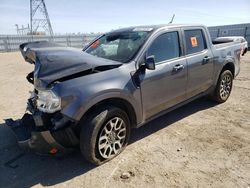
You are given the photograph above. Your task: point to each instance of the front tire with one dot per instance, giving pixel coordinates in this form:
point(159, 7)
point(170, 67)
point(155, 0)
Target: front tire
point(224, 87)
point(104, 134)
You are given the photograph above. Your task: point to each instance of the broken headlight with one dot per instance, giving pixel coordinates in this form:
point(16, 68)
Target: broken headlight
point(48, 101)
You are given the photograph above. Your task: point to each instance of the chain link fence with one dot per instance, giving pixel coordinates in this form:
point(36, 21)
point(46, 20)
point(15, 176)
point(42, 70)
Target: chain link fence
point(231, 30)
point(10, 43)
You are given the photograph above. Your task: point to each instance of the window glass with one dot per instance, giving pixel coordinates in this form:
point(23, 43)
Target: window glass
point(165, 47)
point(194, 41)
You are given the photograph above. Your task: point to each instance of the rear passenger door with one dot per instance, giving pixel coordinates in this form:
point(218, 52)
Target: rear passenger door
point(199, 60)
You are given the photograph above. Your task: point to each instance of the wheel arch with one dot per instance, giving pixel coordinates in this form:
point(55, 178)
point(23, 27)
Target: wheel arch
point(116, 102)
point(229, 65)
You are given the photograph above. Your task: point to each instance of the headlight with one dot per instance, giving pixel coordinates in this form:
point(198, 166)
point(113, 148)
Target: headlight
point(47, 101)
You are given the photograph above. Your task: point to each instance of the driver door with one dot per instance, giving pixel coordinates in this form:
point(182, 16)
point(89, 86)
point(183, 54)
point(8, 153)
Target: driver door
point(165, 86)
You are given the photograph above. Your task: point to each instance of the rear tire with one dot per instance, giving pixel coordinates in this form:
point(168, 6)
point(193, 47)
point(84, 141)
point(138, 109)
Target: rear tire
point(104, 134)
point(224, 87)
point(245, 51)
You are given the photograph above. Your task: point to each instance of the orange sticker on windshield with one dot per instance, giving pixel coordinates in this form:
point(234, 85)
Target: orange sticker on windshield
point(95, 44)
point(194, 41)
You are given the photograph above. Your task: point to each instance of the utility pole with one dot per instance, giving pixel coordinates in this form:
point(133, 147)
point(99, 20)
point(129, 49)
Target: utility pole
point(39, 17)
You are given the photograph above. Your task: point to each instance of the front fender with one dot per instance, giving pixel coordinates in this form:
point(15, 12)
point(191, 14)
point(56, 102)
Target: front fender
point(77, 108)
point(80, 94)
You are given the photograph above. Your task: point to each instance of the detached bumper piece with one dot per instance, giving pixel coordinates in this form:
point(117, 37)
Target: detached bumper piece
point(34, 133)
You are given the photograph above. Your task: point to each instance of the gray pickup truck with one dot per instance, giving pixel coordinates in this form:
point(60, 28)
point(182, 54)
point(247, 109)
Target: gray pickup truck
point(91, 98)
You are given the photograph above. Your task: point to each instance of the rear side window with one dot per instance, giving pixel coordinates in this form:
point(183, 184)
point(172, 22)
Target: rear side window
point(195, 41)
point(165, 47)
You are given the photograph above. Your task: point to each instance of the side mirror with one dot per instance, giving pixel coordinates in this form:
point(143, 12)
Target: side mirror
point(150, 62)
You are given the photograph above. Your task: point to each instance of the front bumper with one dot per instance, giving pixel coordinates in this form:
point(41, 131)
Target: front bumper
point(38, 132)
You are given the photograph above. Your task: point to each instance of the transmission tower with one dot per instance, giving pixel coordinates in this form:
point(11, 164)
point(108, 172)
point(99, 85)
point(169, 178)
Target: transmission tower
point(23, 30)
point(39, 17)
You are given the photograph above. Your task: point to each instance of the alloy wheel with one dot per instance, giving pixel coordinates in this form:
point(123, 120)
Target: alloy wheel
point(112, 138)
point(225, 86)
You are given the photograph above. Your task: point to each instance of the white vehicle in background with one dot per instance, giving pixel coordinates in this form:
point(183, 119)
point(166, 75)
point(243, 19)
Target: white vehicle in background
point(240, 39)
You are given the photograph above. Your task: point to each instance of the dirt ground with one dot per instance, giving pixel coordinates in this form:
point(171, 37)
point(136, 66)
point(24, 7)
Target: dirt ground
point(199, 145)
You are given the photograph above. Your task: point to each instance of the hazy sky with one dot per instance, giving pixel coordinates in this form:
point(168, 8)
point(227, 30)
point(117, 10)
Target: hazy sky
point(68, 16)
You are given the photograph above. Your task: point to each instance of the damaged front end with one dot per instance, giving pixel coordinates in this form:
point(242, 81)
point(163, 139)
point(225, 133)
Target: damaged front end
point(44, 128)
point(43, 132)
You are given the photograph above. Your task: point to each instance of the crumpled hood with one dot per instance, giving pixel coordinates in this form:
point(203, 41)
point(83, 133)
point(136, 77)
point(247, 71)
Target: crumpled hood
point(54, 62)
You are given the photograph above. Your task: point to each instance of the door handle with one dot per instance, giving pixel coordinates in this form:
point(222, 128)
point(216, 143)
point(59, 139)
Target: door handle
point(178, 67)
point(205, 60)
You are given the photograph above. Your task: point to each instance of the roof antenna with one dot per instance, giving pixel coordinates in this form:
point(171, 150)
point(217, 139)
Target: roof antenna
point(172, 19)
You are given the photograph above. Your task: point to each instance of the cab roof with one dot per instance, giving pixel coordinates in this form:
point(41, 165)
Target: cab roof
point(153, 27)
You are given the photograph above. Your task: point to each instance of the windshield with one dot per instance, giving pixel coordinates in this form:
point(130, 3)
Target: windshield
point(118, 46)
